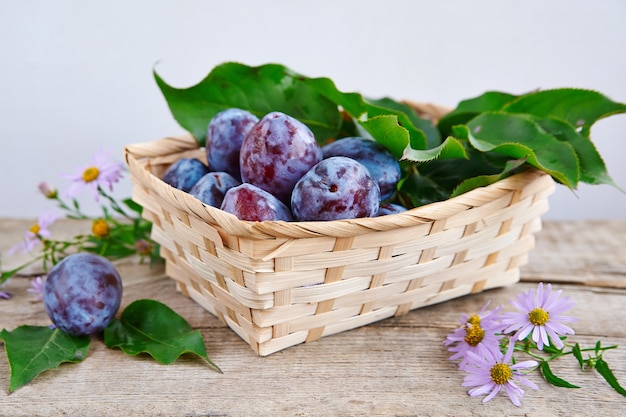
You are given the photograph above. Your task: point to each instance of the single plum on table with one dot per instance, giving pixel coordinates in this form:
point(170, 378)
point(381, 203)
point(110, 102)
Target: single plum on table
point(336, 188)
point(383, 167)
point(210, 189)
point(276, 153)
point(225, 134)
point(249, 202)
point(82, 293)
point(185, 173)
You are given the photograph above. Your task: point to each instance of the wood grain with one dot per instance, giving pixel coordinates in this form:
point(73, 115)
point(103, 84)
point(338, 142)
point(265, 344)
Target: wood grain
point(395, 367)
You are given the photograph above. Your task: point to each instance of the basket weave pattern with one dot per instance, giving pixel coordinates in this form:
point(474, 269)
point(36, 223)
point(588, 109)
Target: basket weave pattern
point(278, 284)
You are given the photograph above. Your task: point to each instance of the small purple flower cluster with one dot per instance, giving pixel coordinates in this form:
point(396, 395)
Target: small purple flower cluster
point(486, 340)
point(117, 233)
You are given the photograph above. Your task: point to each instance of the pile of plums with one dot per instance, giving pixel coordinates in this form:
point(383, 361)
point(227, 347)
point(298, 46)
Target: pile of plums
point(274, 169)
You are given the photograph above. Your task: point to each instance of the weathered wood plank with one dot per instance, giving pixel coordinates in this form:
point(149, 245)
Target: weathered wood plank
point(394, 367)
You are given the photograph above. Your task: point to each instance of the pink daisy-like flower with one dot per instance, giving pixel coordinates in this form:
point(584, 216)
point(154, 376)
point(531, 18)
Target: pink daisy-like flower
point(36, 233)
point(540, 313)
point(488, 374)
point(100, 173)
point(36, 287)
point(480, 333)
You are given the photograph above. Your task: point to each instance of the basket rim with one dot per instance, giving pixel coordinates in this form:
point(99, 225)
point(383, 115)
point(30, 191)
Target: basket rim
point(175, 146)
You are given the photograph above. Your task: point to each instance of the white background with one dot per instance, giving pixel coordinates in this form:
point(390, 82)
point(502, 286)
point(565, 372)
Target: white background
point(76, 76)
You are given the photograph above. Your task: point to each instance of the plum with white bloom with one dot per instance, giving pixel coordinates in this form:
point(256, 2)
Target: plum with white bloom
point(82, 293)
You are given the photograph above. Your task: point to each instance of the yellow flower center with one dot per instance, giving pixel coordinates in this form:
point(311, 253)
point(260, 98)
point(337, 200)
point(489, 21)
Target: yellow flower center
point(538, 316)
point(474, 333)
point(34, 229)
point(100, 228)
point(474, 319)
point(501, 373)
point(91, 174)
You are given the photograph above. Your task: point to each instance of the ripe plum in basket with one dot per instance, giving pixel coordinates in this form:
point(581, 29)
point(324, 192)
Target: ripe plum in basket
point(210, 189)
point(225, 134)
point(276, 153)
point(249, 202)
point(336, 188)
point(82, 293)
point(390, 208)
point(185, 173)
point(383, 167)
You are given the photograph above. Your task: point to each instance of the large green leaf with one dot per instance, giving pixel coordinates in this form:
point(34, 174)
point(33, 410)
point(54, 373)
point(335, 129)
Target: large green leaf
point(389, 124)
point(578, 107)
point(148, 326)
point(592, 167)
point(466, 110)
point(32, 350)
point(520, 137)
point(260, 90)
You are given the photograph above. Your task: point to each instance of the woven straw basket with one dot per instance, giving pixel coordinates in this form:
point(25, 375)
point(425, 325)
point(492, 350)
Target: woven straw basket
point(279, 284)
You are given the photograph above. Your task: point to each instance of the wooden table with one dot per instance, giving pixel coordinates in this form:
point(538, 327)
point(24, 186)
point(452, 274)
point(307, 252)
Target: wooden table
point(396, 367)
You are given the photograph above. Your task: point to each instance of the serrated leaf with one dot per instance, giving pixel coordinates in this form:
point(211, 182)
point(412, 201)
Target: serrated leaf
point(553, 379)
point(149, 326)
point(450, 148)
point(592, 167)
point(32, 350)
point(433, 136)
point(437, 179)
point(260, 90)
point(389, 124)
point(519, 137)
point(603, 369)
point(579, 107)
point(466, 110)
point(485, 180)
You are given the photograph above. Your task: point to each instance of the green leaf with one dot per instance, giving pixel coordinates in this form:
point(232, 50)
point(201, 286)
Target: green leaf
point(578, 355)
point(519, 137)
point(553, 379)
point(450, 148)
point(485, 180)
point(592, 167)
point(417, 190)
point(429, 129)
point(32, 350)
point(466, 110)
point(260, 90)
point(132, 205)
point(578, 107)
point(603, 369)
point(148, 326)
point(390, 123)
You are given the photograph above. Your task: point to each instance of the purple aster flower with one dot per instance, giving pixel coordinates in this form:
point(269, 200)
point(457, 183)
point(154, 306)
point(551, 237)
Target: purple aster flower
point(540, 313)
point(480, 333)
point(36, 287)
point(488, 374)
point(3, 294)
point(37, 232)
point(99, 174)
